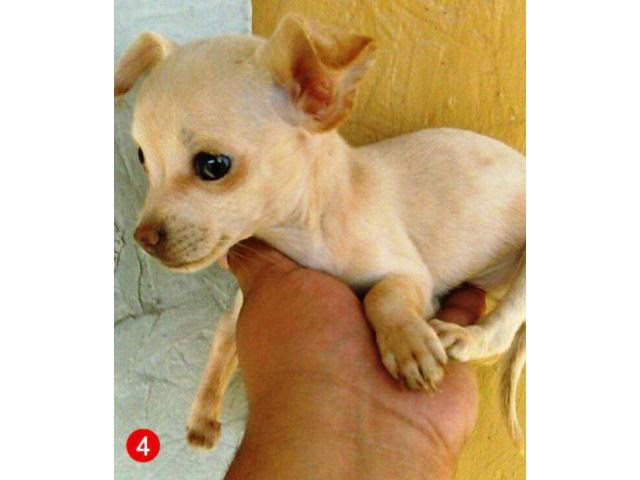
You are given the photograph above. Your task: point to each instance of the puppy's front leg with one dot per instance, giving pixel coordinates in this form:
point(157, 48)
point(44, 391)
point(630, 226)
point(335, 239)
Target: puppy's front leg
point(398, 308)
point(203, 430)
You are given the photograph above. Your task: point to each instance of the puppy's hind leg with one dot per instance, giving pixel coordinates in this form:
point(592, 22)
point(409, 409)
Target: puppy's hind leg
point(203, 430)
point(495, 332)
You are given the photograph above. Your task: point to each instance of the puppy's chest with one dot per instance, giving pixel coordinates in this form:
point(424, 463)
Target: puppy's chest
point(335, 258)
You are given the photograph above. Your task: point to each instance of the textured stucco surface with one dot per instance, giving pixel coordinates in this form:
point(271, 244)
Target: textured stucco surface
point(164, 321)
point(439, 63)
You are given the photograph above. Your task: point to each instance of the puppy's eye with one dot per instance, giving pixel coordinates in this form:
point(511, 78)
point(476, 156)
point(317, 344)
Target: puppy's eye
point(212, 167)
point(140, 156)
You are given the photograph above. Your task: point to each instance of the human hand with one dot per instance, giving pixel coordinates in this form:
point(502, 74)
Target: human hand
point(321, 404)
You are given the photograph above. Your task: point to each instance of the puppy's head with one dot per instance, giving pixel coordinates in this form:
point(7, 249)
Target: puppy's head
point(223, 127)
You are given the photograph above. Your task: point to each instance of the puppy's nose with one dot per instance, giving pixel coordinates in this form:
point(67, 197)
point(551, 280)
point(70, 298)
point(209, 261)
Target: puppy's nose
point(149, 236)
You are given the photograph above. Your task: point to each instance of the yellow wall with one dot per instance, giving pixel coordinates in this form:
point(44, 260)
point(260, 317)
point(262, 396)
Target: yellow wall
point(439, 63)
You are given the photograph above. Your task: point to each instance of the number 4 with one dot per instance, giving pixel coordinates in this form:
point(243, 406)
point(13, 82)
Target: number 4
point(143, 446)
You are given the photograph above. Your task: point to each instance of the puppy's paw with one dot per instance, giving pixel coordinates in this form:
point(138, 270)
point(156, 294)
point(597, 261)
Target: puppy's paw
point(461, 343)
point(412, 353)
point(203, 432)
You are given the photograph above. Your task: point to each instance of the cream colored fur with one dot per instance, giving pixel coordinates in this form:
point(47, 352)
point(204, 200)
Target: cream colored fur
point(404, 220)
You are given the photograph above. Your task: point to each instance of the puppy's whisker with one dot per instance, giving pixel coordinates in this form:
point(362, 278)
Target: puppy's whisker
point(239, 255)
point(259, 254)
point(236, 254)
point(256, 253)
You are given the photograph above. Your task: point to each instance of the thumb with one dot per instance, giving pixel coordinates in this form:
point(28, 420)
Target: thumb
point(253, 262)
point(464, 306)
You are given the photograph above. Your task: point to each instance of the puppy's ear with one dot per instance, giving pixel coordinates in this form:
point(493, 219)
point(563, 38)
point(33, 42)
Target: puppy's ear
point(143, 54)
point(319, 67)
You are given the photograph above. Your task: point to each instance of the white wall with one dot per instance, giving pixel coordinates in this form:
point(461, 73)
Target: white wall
point(163, 320)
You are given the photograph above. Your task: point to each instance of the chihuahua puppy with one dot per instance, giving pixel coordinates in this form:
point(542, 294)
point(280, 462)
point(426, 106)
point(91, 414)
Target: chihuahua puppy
point(237, 135)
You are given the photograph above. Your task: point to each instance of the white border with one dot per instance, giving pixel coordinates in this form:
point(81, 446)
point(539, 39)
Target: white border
point(57, 240)
point(583, 240)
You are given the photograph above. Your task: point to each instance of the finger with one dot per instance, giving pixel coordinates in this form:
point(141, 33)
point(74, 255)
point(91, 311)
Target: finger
point(463, 306)
point(254, 261)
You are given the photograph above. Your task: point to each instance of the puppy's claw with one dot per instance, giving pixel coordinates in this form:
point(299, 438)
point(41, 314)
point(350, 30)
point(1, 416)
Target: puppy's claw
point(413, 377)
point(412, 352)
point(433, 387)
point(389, 361)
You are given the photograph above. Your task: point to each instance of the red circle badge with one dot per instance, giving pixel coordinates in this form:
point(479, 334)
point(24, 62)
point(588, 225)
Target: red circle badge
point(143, 445)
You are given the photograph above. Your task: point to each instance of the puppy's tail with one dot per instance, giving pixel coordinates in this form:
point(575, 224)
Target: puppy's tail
point(513, 365)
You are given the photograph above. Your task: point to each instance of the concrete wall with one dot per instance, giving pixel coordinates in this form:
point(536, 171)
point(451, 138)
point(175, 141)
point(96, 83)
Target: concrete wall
point(164, 321)
point(439, 63)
